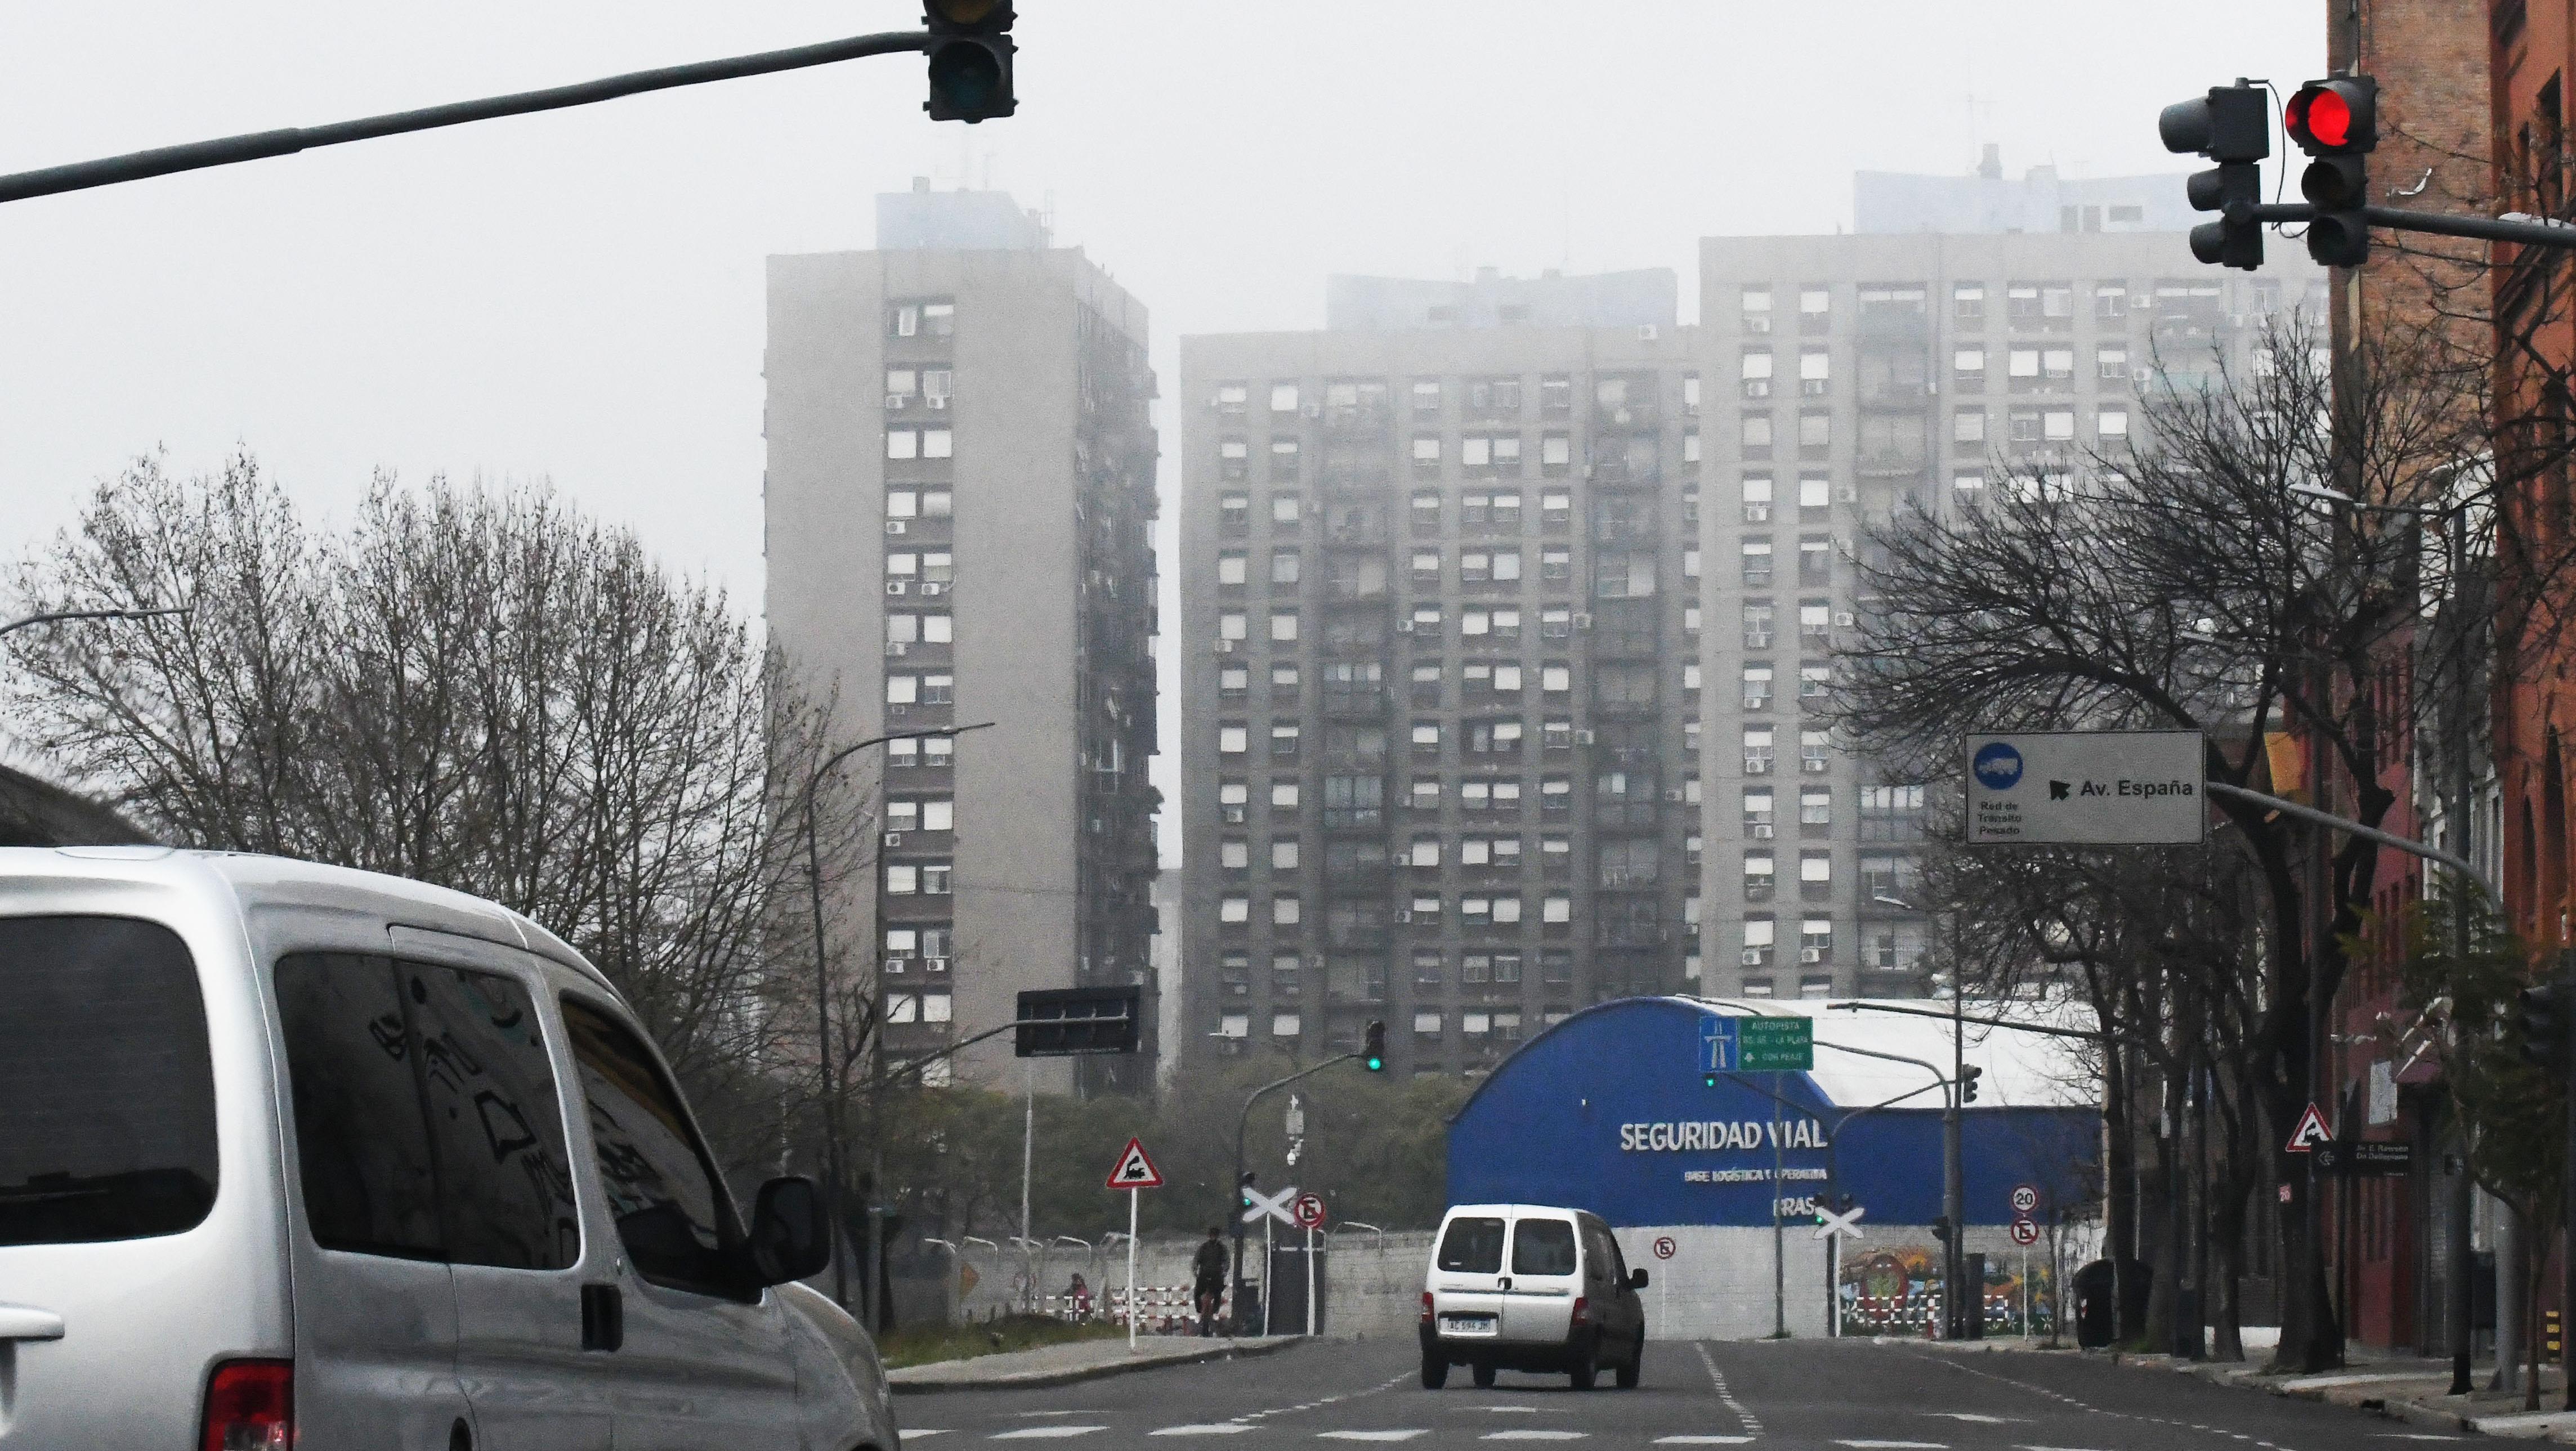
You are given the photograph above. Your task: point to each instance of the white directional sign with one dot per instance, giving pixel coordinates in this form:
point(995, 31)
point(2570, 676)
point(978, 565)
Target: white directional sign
point(1280, 1206)
point(1846, 1224)
point(2086, 788)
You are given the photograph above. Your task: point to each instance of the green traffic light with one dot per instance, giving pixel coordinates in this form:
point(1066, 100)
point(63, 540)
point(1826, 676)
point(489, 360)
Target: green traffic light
point(1709, 1081)
point(1375, 1063)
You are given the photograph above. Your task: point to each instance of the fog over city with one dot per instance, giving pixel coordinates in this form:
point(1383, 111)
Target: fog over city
point(577, 296)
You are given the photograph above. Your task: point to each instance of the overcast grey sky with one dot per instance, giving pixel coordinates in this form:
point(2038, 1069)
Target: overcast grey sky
point(577, 296)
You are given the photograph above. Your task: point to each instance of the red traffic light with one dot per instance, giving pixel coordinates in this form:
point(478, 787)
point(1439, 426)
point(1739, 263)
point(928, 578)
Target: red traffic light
point(2333, 117)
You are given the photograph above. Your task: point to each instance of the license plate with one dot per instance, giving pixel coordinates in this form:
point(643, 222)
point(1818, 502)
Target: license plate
point(1466, 1324)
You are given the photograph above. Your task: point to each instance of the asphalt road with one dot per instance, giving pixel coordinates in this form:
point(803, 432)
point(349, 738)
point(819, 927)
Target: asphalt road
point(1831, 1396)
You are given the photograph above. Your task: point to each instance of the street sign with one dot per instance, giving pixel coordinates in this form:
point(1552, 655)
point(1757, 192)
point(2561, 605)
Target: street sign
point(1757, 1045)
point(1717, 1044)
point(1846, 1223)
point(2025, 1198)
point(1134, 1169)
point(1665, 1248)
point(1069, 1021)
point(2086, 788)
point(2311, 1132)
point(2365, 1159)
point(1309, 1211)
point(2025, 1233)
point(1274, 1206)
point(1776, 1045)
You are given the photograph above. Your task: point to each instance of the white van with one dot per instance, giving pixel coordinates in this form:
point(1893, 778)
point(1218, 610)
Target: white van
point(295, 1156)
point(1530, 1287)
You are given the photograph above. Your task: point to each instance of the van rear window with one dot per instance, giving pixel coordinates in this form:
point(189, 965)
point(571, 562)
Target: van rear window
point(1543, 1247)
point(1473, 1245)
point(107, 1091)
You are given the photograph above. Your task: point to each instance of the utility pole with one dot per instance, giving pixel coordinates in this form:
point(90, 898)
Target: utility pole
point(1954, 1174)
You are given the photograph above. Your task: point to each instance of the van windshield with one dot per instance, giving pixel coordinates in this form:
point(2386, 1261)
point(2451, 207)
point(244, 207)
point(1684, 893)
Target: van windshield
point(1543, 1247)
point(107, 1092)
point(1472, 1245)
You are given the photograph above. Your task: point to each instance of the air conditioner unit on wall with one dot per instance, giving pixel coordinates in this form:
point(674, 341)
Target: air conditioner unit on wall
point(897, 400)
point(936, 401)
point(1753, 957)
point(894, 526)
point(1811, 954)
point(897, 651)
point(1585, 738)
point(934, 587)
point(1845, 619)
point(894, 838)
point(1762, 831)
point(1647, 332)
point(1225, 647)
point(1234, 816)
point(896, 587)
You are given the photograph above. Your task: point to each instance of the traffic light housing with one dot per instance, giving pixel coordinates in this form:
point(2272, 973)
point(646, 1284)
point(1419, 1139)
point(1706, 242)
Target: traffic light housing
point(1243, 1189)
point(1373, 1048)
point(2540, 1023)
point(1968, 1075)
point(2231, 126)
point(970, 59)
point(2336, 122)
point(1941, 1228)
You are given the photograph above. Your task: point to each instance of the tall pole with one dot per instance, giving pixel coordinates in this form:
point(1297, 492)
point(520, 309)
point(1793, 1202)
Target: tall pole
point(1779, 1240)
point(1954, 1190)
point(2463, 1205)
point(1243, 1126)
point(1132, 1311)
point(834, 1190)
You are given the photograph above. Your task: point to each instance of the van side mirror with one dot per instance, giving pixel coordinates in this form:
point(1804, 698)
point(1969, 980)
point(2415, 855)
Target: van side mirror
point(791, 1236)
point(1636, 1279)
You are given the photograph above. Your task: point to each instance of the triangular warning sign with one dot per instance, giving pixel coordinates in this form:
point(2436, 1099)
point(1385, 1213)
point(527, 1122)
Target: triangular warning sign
point(2311, 1131)
point(1134, 1170)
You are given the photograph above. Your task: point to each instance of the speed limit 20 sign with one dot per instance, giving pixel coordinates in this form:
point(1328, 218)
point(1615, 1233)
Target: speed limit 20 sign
point(2025, 1198)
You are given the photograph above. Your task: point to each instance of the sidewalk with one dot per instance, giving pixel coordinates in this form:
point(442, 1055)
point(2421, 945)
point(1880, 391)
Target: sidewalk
point(1051, 1365)
point(2402, 1388)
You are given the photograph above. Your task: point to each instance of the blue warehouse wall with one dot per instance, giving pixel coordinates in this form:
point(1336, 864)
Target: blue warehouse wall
point(1607, 1111)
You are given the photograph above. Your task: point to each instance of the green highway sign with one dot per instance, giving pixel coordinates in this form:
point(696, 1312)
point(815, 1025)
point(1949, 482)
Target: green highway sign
point(1776, 1045)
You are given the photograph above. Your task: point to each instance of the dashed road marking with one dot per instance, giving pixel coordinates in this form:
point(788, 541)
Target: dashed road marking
point(1725, 1397)
point(1046, 1433)
point(1895, 1445)
point(2063, 1399)
point(1701, 1440)
point(1979, 1417)
point(1216, 1428)
point(1405, 1435)
point(1534, 1435)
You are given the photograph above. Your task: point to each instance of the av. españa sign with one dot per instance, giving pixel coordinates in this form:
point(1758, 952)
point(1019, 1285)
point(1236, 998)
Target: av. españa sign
point(2086, 788)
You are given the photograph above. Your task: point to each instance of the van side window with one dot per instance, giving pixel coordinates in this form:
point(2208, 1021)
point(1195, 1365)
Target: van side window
point(1472, 1245)
point(427, 1125)
point(505, 1178)
point(674, 1218)
point(362, 1144)
point(1543, 1247)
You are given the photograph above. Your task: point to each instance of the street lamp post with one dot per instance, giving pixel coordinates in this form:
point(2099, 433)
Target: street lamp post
point(1954, 1186)
point(55, 616)
point(833, 1189)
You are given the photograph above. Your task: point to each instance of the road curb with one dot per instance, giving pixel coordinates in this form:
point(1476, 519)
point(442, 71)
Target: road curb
point(1039, 1379)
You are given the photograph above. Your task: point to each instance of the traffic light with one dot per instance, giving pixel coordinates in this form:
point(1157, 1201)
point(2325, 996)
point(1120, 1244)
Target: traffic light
point(1243, 1189)
point(1941, 1228)
point(1373, 1047)
point(970, 59)
point(2540, 1025)
point(1969, 1073)
point(2231, 126)
point(2336, 121)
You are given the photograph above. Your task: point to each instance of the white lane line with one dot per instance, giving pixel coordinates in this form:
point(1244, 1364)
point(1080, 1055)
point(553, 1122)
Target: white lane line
point(1504, 1410)
point(1046, 1433)
point(918, 1435)
point(1217, 1428)
point(1042, 1415)
point(1534, 1435)
point(1701, 1440)
point(2064, 1399)
point(1372, 1435)
point(1717, 1378)
point(1895, 1445)
point(1979, 1417)
point(2056, 1448)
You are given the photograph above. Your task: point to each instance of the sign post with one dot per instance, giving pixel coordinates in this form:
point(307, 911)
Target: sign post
point(2087, 788)
point(1135, 1173)
point(1270, 1210)
point(1310, 1217)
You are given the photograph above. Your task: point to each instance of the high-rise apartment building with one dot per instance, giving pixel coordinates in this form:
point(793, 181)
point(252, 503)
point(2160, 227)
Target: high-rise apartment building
point(1440, 667)
point(1852, 375)
point(959, 497)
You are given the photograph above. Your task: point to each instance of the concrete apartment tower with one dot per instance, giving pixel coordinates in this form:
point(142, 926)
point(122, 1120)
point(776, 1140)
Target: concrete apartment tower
point(1977, 327)
point(959, 496)
point(1439, 666)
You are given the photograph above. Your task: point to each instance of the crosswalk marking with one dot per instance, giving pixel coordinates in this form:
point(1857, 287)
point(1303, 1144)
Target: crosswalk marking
point(1405, 1435)
point(1218, 1428)
point(1046, 1433)
point(918, 1435)
point(1895, 1445)
point(1978, 1417)
point(1533, 1436)
point(1702, 1440)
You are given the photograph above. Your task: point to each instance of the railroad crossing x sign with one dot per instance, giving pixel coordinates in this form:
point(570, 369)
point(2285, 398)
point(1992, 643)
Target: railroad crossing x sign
point(1277, 1206)
point(1846, 1223)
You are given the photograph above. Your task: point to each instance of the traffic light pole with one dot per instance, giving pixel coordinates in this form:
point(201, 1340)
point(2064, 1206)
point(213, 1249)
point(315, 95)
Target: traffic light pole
point(1242, 1126)
point(260, 145)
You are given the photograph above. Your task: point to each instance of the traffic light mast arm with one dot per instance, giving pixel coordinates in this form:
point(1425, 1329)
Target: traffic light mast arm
point(2529, 233)
point(2345, 824)
point(259, 145)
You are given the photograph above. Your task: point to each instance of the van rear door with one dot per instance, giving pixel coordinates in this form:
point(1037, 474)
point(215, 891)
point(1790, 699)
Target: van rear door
point(1467, 1272)
point(1546, 1276)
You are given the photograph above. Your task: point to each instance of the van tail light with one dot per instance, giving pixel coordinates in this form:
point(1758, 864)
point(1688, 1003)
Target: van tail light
point(250, 1406)
point(1426, 1307)
point(1582, 1311)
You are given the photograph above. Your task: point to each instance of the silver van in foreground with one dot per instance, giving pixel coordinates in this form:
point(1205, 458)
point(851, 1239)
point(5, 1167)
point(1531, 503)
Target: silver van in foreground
point(299, 1157)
